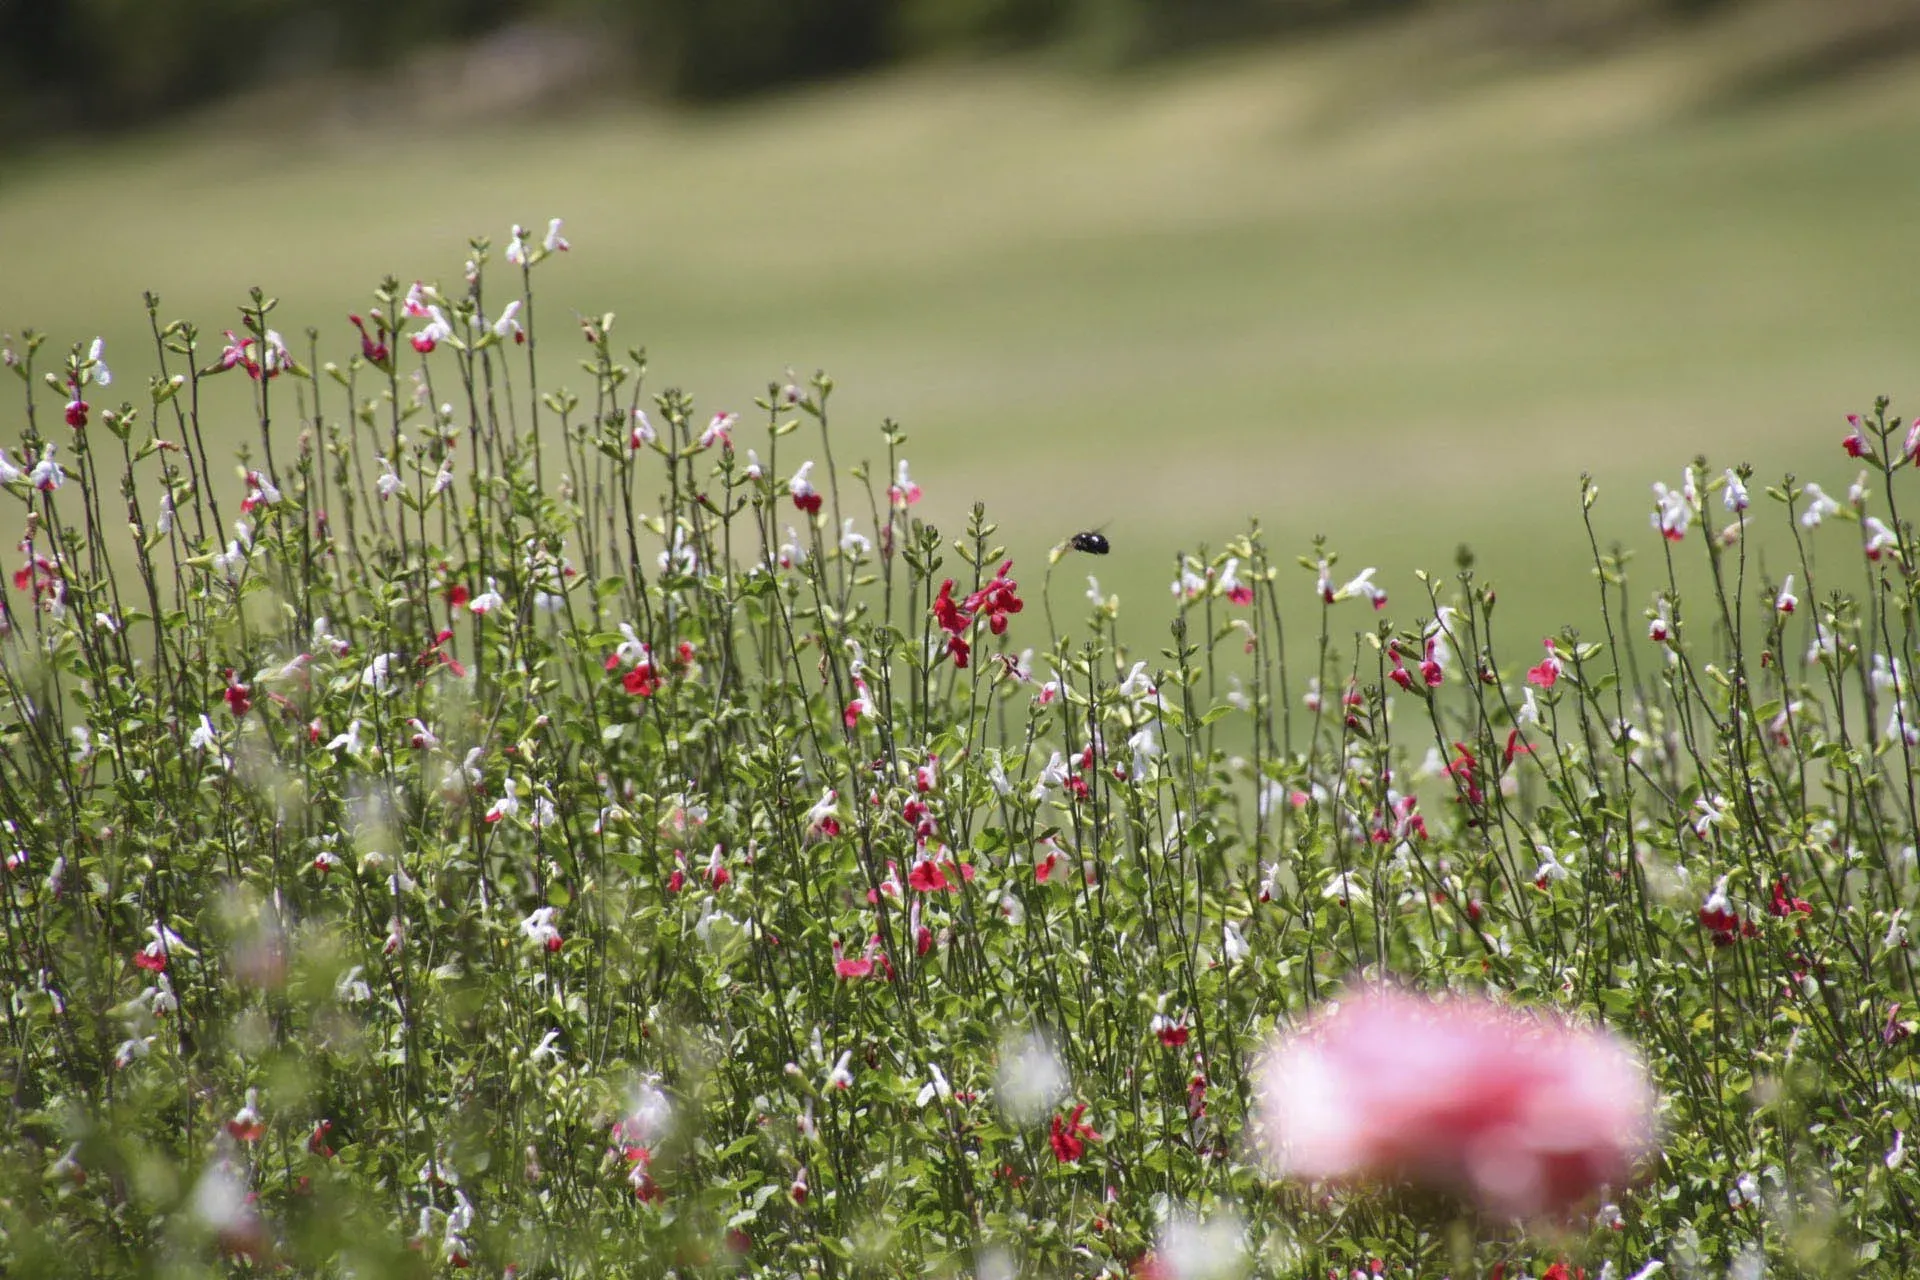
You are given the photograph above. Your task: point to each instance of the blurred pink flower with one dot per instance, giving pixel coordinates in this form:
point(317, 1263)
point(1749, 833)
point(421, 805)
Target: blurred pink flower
point(1521, 1112)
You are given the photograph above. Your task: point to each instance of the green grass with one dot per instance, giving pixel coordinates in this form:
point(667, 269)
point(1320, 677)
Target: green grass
point(1334, 287)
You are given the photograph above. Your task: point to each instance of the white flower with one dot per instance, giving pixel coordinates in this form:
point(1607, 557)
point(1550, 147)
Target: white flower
point(1786, 601)
point(389, 482)
point(506, 805)
point(1819, 507)
point(203, 738)
point(1189, 585)
point(508, 325)
point(1713, 813)
point(376, 676)
point(841, 1077)
point(1745, 1191)
point(854, 543)
point(1145, 745)
point(97, 357)
point(349, 741)
point(1550, 868)
point(9, 474)
point(517, 246)
point(1234, 943)
point(643, 433)
point(46, 474)
point(553, 241)
point(443, 478)
point(487, 600)
point(1897, 1153)
point(539, 927)
point(1673, 512)
point(1734, 496)
point(1879, 537)
point(719, 429)
point(1362, 585)
point(1136, 685)
point(936, 1087)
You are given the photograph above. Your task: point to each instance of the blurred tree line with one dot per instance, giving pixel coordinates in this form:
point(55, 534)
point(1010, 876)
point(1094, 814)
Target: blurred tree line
point(103, 63)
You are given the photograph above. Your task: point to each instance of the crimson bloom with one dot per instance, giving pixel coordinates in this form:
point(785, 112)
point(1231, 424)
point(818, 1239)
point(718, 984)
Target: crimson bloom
point(1521, 1112)
point(1066, 1134)
point(997, 599)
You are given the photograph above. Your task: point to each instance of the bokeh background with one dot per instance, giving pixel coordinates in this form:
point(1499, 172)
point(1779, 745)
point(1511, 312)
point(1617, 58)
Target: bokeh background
point(1393, 272)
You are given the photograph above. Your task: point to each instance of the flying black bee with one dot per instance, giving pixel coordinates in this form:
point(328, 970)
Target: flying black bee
point(1093, 542)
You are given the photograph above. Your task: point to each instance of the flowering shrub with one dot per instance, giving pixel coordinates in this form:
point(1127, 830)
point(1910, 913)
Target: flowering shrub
point(658, 849)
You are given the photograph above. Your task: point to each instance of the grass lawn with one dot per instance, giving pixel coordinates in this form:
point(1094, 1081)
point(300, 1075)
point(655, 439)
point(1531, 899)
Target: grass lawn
point(1263, 285)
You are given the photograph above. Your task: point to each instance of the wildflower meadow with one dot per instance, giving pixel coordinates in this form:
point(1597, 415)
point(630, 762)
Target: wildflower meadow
point(513, 820)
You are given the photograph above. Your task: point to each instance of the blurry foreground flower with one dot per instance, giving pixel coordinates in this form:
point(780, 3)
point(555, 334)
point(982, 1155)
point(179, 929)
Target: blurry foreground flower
point(1522, 1113)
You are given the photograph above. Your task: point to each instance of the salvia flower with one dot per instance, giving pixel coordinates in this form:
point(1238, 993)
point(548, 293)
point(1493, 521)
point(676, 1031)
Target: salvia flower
point(1672, 512)
point(1548, 672)
point(1879, 537)
point(540, 929)
point(1068, 1135)
point(46, 474)
point(247, 1124)
point(1734, 495)
point(1522, 1113)
point(903, 492)
point(435, 332)
point(805, 496)
point(1362, 586)
point(1784, 600)
point(1820, 505)
point(719, 431)
point(1229, 584)
point(1856, 443)
point(508, 325)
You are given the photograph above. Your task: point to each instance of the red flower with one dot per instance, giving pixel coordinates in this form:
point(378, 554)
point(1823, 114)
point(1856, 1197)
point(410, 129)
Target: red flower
point(317, 1140)
point(236, 695)
point(1783, 905)
point(457, 594)
point(77, 413)
point(1548, 671)
point(1065, 1135)
point(643, 681)
point(926, 876)
point(997, 599)
point(1855, 444)
point(376, 351)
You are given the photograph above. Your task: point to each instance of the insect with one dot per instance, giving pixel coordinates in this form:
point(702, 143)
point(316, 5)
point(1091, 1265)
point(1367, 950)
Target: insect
point(1093, 542)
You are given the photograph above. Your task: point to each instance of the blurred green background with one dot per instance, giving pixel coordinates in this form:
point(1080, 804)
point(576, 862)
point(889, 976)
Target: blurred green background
point(1396, 273)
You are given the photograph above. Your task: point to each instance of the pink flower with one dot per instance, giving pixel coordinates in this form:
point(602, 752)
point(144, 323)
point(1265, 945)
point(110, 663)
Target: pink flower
point(1522, 1112)
point(1548, 671)
point(1855, 444)
point(719, 430)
